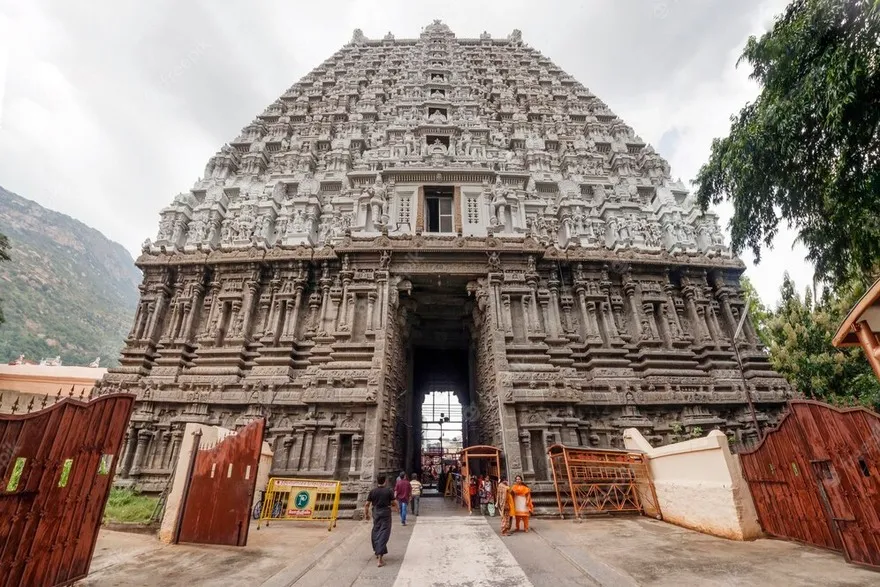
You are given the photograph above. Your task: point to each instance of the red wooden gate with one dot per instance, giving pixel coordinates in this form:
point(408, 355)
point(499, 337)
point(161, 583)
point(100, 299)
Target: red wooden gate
point(816, 479)
point(57, 466)
point(219, 495)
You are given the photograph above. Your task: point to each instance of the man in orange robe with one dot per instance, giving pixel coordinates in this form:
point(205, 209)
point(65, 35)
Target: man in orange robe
point(520, 502)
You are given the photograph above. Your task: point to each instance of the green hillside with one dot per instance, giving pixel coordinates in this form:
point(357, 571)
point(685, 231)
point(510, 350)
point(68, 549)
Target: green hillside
point(67, 291)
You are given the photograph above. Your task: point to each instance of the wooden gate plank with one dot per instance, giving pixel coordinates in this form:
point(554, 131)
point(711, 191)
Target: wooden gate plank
point(832, 498)
point(217, 507)
point(51, 530)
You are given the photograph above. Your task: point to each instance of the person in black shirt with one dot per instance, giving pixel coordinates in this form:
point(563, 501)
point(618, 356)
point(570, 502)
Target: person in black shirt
point(382, 500)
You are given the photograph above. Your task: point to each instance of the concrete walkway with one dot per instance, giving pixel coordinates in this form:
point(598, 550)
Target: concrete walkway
point(447, 547)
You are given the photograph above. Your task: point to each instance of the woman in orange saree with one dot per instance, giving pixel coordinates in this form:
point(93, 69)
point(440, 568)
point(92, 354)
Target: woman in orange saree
point(520, 502)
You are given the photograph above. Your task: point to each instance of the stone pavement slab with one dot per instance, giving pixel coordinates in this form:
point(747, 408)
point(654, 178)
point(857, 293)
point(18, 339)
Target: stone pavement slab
point(458, 551)
point(132, 560)
point(446, 546)
point(641, 551)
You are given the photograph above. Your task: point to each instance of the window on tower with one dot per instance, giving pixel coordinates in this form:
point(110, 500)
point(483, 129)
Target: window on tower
point(438, 209)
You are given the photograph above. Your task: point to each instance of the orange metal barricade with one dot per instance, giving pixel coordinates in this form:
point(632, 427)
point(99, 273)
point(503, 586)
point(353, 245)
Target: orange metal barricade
point(602, 480)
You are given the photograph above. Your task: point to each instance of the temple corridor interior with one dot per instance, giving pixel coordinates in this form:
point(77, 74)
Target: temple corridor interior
point(440, 359)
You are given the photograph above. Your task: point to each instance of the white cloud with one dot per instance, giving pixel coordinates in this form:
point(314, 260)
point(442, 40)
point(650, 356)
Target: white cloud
point(107, 112)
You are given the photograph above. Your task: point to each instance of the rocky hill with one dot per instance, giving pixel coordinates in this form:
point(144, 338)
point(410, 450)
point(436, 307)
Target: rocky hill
point(68, 291)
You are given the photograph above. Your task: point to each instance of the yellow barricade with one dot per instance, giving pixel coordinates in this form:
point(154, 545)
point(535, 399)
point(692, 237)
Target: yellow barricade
point(311, 500)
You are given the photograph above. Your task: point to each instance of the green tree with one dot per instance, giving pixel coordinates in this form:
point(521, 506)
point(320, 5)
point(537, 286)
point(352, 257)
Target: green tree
point(800, 332)
point(806, 150)
point(4, 256)
point(759, 314)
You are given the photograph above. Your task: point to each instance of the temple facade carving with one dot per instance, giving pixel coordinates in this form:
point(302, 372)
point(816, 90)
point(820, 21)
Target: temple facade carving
point(290, 281)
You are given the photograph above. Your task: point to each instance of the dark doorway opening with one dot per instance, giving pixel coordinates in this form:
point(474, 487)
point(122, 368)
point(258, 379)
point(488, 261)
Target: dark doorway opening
point(441, 374)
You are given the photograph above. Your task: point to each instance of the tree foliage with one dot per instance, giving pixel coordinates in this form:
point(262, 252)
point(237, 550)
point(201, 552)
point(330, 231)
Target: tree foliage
point(759, 314)
point(4, 256)
point(799, 332)
point(806, 151)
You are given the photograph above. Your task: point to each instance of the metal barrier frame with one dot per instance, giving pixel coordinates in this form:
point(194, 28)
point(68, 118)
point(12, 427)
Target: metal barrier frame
point(323, 497)
point(602, 480)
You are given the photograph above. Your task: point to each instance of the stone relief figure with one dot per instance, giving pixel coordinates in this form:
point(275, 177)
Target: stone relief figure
point(299, 221)
point(179, 227)
point(385, 260)
point(379, 202)
point(494, 261)
point(166, 226)
point(499, 204)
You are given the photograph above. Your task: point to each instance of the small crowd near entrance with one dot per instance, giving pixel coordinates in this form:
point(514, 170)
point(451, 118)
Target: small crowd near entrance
point(513, 503)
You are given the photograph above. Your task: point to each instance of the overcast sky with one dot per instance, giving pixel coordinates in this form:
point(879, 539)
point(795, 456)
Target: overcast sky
point(108, 109)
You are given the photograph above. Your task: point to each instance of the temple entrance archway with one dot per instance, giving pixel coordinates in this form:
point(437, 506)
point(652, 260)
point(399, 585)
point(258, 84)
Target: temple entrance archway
point(440, 365)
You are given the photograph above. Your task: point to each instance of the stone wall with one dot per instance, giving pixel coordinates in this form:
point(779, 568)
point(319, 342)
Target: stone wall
point(700, 486)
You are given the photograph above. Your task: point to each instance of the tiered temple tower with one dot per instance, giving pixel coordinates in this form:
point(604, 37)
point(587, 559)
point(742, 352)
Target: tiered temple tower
point(437, 213)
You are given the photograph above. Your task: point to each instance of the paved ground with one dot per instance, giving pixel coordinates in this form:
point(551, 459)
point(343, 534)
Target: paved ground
point(445, 547)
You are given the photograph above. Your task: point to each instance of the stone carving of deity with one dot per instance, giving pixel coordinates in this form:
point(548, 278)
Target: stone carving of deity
point(464, 144)
point(379, 202)
point(197, 231)
point(494, 261)
point(299, 221)
point(499, 203)
point(166, 226)
point(266, 226)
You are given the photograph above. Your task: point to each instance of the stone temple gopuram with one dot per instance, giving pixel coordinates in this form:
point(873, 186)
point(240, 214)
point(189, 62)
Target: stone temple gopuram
point(435, 214)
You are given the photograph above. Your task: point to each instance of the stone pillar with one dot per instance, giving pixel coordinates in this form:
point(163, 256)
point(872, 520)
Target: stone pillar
point(176, 438)
point(127, 452)
point(351, 304)
point(157, 313)
point(553, 316)
point(314, 306)
point(342, 315)
point(292, 319)
point(548, 320)
point(593, 320)
point(356, 441)
point(534, 304)
point(333, 461)
point(159, 456)
point(697, 318)
point(294, 449)
point(506, 318)
point(172, 331)
point(325, 301)
point(140, 453)
point(275, 317)
point(308, 443)
point(526, 440)
point(194, 309)
point(703, 321)
point(371, 302)
point(651, 321)
point(212, 302)
point(567, 326)
point(629, 290)
point(527, 313)
point(247, 308)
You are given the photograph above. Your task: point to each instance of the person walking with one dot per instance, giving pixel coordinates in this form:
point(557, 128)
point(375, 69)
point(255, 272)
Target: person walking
point(416, 487)
point(502, 503)
point(381, 498)
point(402, 493)
point(485, 494)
